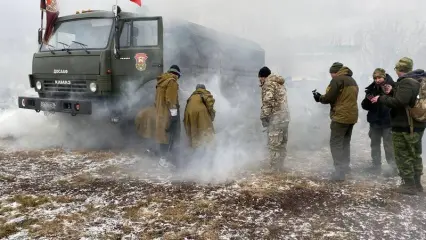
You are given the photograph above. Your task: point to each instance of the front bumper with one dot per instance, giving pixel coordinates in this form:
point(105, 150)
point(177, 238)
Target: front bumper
point(73, 107)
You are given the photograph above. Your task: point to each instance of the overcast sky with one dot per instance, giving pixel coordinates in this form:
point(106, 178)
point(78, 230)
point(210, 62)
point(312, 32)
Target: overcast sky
point(267, 22)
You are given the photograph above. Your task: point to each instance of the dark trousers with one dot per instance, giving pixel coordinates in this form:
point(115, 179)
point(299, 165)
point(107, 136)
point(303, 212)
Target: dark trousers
point(171, 150)
point(340, 146)
point(376, 135)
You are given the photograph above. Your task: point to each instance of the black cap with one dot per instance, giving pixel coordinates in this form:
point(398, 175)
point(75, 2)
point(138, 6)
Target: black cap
point(174, 69)
point(264, 72)
point(200, 85)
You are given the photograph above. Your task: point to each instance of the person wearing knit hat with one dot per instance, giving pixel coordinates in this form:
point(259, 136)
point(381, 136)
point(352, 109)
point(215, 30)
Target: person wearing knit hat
point(264, 72)
point(167, 114)
point(378, 117)
point(342, 95)
point(407, 132)
point(404, 65)
point(275, 116)
point(198, 118)
point(335, 67)
point(200, 85)
point(379, 73)
point(175, 70)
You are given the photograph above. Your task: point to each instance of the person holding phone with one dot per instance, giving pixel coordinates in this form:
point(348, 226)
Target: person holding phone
point(378, 117)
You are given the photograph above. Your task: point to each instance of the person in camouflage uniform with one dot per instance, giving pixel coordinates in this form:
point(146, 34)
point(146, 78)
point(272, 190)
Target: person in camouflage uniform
point(407, 143)
point(275, 116)
point(342, 95)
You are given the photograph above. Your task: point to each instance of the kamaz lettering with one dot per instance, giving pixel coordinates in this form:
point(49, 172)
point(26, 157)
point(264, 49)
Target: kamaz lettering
point(62, 82)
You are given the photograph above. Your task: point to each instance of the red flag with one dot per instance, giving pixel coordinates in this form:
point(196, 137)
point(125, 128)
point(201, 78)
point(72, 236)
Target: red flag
point(52, 13)
point(43, 4)
point(138, 2)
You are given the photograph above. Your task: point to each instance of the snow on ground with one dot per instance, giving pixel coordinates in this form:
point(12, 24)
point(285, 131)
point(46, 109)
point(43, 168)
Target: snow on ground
point(53, 193)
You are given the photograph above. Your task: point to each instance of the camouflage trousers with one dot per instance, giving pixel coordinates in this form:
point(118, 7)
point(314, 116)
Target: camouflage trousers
point(408, 153)
point(277, 145)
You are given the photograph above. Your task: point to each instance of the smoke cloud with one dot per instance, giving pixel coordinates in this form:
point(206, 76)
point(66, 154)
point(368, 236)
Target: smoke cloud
point(301, 40)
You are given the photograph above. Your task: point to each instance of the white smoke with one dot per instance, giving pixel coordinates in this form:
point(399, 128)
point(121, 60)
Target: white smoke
point(300, 38)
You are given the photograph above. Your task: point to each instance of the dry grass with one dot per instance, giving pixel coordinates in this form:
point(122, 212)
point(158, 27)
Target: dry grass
point(8, 229)
point(29, 201)
point(91, 196)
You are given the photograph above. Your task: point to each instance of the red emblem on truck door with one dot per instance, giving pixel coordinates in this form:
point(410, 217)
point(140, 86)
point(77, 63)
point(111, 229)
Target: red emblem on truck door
point(141, 61)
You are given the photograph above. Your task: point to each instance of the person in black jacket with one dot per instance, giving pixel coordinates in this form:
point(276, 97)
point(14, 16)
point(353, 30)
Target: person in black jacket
point(380, 124)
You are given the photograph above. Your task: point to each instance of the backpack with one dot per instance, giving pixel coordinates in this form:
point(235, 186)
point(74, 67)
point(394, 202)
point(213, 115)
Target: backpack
point(418, 111)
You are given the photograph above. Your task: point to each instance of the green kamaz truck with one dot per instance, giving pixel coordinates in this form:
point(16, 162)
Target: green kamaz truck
point(95, 61)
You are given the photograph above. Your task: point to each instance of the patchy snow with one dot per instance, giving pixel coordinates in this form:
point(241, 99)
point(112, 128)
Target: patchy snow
point(110, 195)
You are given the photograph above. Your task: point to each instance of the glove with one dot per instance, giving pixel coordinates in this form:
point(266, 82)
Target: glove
point(317, 96)
point(173, 112)
point(265, 122)
point(174, 119)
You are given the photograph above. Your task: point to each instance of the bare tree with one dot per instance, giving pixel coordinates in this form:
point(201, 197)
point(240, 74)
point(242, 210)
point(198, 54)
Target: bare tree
point(383, 43)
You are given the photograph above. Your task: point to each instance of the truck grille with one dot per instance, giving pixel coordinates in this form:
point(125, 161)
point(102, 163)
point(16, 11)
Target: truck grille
point(75, 86)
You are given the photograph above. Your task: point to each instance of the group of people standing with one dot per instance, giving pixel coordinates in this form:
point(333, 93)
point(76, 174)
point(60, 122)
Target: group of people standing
point(392, 117)
point(389, 105)
point(161, 121)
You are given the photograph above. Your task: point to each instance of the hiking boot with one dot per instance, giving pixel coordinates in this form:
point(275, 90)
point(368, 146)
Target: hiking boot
point(407, 187)
point(337, 176)
point(376, 169)
point(392, 173)
point(418, 183)
point(165, 163)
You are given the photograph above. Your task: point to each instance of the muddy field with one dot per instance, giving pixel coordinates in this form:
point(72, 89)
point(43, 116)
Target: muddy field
point(58, 194)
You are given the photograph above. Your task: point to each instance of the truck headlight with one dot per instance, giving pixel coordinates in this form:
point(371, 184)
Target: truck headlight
point(38, 85)
point(93, 87)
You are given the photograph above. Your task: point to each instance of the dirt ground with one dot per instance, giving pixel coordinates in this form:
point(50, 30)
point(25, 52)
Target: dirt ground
point(58, 194)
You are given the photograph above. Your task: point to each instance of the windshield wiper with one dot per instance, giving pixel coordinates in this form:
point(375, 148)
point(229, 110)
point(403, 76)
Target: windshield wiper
point(66, 49)
point(83, 45)
point(49, 47)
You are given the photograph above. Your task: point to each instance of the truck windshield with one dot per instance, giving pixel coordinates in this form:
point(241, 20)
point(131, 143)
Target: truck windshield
point(93, 33)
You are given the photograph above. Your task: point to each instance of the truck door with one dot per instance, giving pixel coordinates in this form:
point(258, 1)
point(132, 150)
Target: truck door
point(141, 51)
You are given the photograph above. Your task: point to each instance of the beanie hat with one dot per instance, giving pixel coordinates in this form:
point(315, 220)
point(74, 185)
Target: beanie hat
point(335, 67)
point(404, 65)
point(200, 86)
point(175, 69)
point(379, 72)
point(264, 72)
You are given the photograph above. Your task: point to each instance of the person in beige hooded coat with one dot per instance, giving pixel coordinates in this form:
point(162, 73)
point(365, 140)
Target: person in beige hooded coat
point(167, 109)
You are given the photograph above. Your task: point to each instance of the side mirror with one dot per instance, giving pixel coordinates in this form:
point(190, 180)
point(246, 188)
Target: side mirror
point(40, 36)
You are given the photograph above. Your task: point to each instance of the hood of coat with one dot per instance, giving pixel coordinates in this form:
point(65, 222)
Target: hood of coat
point(276, 78)
point(164, 79)
point(201, 91)
point(417, 74)
point(345, 71)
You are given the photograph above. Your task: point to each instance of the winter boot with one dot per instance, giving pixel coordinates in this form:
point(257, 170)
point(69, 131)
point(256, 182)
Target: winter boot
point(392, 173)
point(375, 169)
point(407, 187)
point(338, 176)
point(418, 183)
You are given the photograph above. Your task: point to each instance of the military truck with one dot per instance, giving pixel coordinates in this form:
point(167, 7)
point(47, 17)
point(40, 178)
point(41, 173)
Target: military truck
point(98, 60)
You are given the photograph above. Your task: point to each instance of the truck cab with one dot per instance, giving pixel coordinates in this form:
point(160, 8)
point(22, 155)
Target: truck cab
point(91, 58)
point(98, 63)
